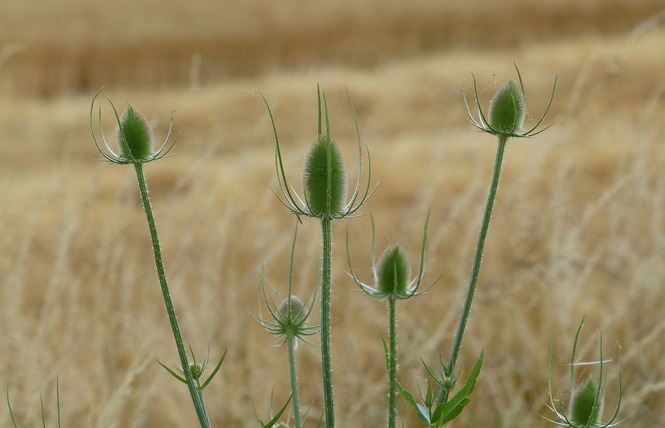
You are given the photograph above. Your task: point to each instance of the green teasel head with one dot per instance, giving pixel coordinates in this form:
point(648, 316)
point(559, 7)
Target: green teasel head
point(393, 272)
point(507, 109)
point(288, 320)
point(134, 135)
point(587, 399)
point(586, 404)
point(324, 178)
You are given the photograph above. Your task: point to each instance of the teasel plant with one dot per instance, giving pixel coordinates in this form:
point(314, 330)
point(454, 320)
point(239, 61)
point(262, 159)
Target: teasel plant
point(324, 198)
point(136, 147)
point(587, 398)
point(392, 282)
point(289, 323)
point(504, 119)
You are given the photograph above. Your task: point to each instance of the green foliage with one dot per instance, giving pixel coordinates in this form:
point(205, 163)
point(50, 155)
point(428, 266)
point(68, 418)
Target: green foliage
point(433, 414)
point(196, 370)
point(274, 421)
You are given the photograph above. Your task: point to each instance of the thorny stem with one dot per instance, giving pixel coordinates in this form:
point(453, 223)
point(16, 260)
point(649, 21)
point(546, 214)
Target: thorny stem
point(291, 345)
point(478, 259)
point(326, 285)
point(196, 397)
point(392, 363)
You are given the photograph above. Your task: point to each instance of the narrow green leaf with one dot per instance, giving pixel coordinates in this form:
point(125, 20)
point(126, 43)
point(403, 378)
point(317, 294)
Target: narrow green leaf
point(279, 414)
point(433, 376)
point(174, 374)
point(386, 352)
point(214, 372)
point(411, 400)
point(424, 414)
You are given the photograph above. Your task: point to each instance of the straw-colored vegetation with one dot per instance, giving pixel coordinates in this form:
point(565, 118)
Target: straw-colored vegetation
point(578, 227)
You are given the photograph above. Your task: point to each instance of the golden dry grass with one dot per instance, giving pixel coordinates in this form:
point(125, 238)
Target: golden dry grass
point(578, 229)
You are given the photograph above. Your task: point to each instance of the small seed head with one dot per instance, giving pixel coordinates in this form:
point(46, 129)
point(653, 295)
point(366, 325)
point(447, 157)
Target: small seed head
point(584, 410)
point(134, 135)
point(393, 272)
point(324, 179)
point(294, 303)
point(507, 109)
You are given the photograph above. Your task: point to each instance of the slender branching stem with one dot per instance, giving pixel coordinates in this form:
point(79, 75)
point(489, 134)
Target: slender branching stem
point(196, 397)
point(295, 398)
point(392, 363)
point(326, 285)
point(457, 345)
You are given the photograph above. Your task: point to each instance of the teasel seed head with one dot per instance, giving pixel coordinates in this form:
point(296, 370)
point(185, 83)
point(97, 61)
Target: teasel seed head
point(507, 109)
point(324, 178)
point(393, 272)
point(134, 135)
point(586, 404)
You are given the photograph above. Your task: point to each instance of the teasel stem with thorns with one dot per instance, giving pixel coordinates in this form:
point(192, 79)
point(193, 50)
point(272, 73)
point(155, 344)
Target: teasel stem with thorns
point(393, 282)
point(289, 323)
point(505, 119)
point(324, 198)
point(135, 141)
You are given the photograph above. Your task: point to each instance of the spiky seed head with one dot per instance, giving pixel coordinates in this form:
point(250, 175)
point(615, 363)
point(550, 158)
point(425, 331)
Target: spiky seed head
point(134, 135)
point(507, 109)
point(393, 272)
point(584, 410)
point(294, 304)
point(324, 179)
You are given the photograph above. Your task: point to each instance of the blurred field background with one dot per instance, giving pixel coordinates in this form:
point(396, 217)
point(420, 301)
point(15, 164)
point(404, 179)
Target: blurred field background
point(578, 228)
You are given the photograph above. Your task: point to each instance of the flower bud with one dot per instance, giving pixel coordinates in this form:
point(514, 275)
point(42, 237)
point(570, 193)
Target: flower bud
point(507, 109)
point(393, 272)
point(324, 179)
point(134, 135)
point(196, 370)
point(586, 405)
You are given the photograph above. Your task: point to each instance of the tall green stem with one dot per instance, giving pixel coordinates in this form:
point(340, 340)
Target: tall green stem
point(326, 285)
point(392, 363)
point(196, 398)
point(291, 345)
point(479, 255)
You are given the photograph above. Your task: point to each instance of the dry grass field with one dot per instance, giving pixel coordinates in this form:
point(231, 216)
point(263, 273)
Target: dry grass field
point(578, 228)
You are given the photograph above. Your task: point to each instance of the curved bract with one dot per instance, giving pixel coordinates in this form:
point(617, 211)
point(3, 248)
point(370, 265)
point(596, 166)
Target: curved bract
point(324, 178)
point(507, 111)
point(134, 135)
